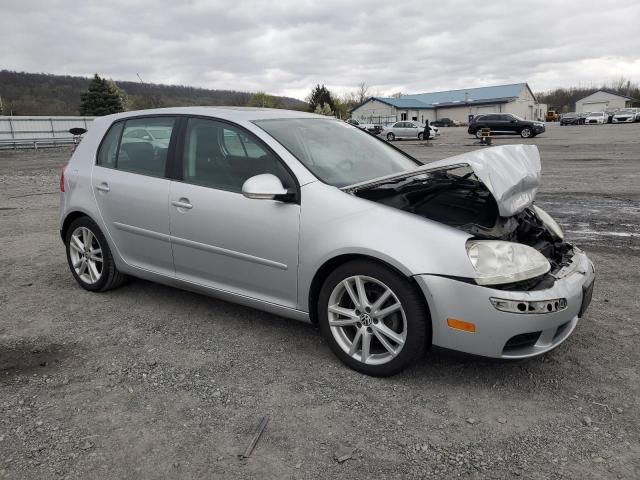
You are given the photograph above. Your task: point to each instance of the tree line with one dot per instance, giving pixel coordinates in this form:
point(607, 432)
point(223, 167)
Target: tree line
point(45, 94)
point(564, 99)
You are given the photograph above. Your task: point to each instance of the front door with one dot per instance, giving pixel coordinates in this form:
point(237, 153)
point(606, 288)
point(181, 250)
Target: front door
point(220, 238)
point(132, 191)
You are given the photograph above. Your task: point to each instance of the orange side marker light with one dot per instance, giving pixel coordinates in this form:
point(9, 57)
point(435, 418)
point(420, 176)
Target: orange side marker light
point(457, 324)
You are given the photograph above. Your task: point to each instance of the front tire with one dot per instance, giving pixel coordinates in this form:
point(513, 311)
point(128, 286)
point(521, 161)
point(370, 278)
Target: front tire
point(391, 137)
point(526, 132)
point(89, 257)
point(374, 319)
point(420, 136)
point(478, 133)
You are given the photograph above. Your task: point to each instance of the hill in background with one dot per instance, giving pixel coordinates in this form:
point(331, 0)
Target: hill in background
point(46, 94)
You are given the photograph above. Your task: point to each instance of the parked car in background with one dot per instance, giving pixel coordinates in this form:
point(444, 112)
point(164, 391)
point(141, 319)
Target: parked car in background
point(407, 129)
point(571, 118)
point(387, 256)
point(610, 112)
point(505, 124)
point(369, 127)
point(445, 122)
point(596, 118)
point(627, 115)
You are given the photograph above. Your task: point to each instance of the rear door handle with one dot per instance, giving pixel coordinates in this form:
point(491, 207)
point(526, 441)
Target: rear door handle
point(182, 203)
point(103, 187)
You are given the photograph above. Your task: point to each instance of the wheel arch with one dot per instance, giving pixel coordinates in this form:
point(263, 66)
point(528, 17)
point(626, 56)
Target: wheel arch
point(69, 219)
point(331, 264)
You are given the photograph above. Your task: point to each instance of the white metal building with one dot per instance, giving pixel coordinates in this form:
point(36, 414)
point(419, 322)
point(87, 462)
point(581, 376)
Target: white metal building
point(602, 100)
point(456, 104)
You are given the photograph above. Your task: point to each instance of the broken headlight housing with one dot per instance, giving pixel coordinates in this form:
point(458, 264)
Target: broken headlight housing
point(497, 262)
point(549, 222)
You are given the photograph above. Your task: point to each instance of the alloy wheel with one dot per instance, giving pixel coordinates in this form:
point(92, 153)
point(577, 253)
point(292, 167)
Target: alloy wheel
point(86, 255)
point(367, 320)
point(525, 132)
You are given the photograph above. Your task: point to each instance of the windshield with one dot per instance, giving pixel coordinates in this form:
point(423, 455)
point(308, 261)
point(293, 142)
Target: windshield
point(624, 111)
point(596, 114)
point(337, 153)
point(516, 117)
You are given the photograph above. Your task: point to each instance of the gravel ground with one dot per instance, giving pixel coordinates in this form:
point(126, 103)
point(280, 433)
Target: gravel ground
point(151, 382)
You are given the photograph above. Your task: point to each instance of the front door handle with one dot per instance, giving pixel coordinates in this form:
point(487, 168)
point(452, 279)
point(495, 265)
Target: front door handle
point(182, 203)
point(103, 187)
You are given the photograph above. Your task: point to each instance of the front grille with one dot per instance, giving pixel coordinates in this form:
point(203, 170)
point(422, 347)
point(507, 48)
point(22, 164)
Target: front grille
point(524, 340)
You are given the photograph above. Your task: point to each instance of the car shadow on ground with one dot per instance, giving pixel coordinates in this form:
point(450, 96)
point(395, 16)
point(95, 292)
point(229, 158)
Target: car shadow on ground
point(437, 364)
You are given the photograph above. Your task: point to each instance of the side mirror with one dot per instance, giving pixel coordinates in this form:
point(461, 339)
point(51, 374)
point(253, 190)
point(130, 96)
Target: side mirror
point(265, 186)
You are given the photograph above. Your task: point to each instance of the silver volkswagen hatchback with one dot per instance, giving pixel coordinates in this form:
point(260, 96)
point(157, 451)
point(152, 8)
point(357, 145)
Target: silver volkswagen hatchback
point(311, 218)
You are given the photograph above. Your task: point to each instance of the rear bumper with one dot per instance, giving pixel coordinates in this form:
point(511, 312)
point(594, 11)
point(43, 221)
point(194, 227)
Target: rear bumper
point(501, 334)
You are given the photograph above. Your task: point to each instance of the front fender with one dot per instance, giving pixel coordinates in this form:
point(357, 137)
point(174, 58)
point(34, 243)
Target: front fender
point(411, 244)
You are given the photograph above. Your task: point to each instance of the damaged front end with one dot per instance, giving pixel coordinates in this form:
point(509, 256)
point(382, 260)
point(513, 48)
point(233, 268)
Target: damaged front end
point(489, 195)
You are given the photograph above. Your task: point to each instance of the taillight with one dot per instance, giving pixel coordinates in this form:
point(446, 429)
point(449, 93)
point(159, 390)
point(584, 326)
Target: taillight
point(62, 179)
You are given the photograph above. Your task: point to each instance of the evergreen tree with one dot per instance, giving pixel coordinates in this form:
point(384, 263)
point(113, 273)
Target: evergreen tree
point(320, 96)
point(101, 98)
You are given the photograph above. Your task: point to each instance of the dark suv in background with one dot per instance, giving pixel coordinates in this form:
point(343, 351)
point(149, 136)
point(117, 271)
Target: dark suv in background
point(505, 124)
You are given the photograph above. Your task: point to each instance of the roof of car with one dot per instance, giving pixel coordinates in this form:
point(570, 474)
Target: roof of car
point(223, 112)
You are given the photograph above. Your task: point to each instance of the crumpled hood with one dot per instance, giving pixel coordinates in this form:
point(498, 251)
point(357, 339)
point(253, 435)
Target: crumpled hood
point(512, 173)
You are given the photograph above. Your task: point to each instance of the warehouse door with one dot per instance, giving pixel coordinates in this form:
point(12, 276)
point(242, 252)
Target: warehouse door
point(594, 107)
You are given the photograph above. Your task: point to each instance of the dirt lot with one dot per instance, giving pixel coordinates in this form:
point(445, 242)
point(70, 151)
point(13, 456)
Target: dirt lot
point(151, 382)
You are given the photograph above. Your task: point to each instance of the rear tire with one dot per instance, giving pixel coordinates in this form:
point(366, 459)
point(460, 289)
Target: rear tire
point(89, 257)
point(405, 327)
point(391, 137)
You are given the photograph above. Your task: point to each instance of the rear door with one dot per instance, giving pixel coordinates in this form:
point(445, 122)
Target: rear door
point(413, 130)
point(221, 239)
point(132, 192)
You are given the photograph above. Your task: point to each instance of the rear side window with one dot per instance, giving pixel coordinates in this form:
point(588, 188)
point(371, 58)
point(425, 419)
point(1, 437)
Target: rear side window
point(139, 146)
point(144, 146)
point(108, 149)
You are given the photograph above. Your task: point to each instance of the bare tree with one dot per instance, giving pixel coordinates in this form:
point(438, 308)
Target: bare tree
point(362, 93)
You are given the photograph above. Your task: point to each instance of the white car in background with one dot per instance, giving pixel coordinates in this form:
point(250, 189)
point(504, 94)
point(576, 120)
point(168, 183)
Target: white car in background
point(596, 118)
point(407, 129)
point(626, 115)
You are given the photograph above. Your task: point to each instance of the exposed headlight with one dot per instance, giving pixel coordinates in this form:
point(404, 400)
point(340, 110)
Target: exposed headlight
point(549, 222)
point(497, 262)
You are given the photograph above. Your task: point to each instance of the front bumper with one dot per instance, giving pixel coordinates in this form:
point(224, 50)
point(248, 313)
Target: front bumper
point(537, 129)
point(623, 120)
point(502, 334)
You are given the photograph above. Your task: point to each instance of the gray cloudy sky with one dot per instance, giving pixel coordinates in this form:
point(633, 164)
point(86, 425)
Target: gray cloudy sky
point(285, 47)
